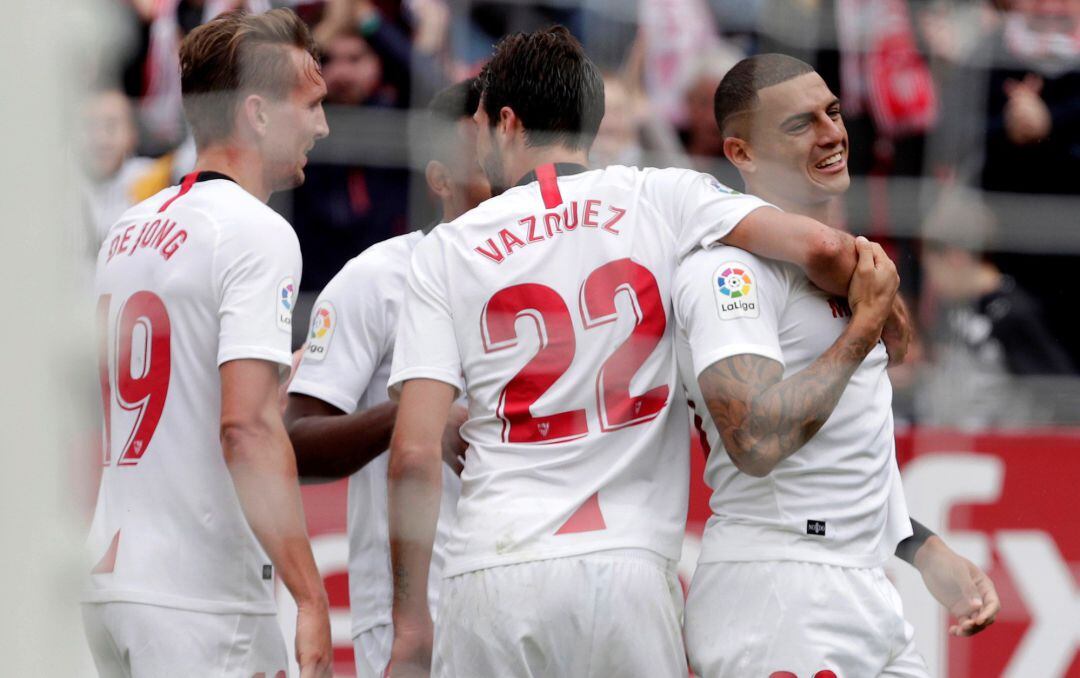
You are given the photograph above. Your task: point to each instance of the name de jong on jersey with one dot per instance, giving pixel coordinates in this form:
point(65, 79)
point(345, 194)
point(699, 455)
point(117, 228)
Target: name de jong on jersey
point(187, 280)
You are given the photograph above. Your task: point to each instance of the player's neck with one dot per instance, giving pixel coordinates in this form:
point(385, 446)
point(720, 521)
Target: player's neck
point(243, 166)
point(542, 155)
point(450, 210)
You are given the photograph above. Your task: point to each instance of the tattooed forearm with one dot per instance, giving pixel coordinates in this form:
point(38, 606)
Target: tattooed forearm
point(763, 420)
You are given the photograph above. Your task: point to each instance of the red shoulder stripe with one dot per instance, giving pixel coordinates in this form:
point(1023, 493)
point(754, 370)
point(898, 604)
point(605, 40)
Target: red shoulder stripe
point(549, 185)
point(185, 186)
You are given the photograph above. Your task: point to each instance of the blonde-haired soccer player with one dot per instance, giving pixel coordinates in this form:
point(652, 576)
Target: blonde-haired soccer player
point(199, 505)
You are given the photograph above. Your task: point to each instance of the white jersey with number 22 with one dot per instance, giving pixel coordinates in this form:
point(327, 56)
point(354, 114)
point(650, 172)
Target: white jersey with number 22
point(550, 307)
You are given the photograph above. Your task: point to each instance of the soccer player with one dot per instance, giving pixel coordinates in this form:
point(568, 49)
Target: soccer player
point(338, 415)
point(549, 306)
point(199, 504)
point(791, 388)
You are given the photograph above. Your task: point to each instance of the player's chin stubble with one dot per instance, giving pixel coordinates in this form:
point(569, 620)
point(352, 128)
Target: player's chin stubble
point(494, 167)
point(496, 173)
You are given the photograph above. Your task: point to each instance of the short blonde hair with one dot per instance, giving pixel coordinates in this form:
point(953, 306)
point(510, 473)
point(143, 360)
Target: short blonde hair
point(233, 55)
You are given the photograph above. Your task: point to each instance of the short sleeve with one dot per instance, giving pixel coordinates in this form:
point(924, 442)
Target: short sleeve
point(351, 330)
point(700, 209)
point(257, 270)
point(426, 345)
point(728, 302)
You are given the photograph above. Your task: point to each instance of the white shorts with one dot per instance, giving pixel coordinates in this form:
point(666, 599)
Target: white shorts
point(612, 613)
point(134, 640)
point(372, 651)
point(783, 618)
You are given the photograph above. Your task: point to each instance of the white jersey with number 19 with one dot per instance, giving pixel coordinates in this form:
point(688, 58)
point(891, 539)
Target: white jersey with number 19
point(193, 277)
point(550, 307)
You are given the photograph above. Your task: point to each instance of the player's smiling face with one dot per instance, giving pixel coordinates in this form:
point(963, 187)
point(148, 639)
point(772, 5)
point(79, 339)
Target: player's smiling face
point(295, 124)
point(799, 142)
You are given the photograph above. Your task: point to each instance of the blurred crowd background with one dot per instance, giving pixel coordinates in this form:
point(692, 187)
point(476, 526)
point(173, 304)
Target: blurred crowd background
point(963, 115)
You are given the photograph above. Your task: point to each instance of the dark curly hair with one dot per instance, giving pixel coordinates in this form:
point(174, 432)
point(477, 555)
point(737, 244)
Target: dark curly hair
point(550, 84)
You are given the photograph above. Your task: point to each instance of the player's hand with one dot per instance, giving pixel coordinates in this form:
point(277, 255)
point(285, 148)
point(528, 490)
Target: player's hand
point(959, 585)
point(314, 649)
point(897, 332)
point(453, 446)
point(410, 656)
point(873, 287)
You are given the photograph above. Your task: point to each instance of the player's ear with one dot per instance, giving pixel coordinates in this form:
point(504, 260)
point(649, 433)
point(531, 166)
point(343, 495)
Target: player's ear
point(509, 123)
point(438, 179)
point(738, 153)
point(255, 114)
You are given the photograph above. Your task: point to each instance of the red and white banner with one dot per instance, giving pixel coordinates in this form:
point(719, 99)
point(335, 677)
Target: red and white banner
point(1002, 500)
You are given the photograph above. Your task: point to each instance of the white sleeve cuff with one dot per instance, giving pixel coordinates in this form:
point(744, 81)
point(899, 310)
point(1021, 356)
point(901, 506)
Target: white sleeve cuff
point(393, 387)
point(705, 360)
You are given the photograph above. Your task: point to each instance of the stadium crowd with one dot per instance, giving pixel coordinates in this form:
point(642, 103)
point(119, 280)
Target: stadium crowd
point(963, 115)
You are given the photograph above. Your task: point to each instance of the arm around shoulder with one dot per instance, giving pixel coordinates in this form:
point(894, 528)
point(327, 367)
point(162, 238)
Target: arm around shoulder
point(827, 255)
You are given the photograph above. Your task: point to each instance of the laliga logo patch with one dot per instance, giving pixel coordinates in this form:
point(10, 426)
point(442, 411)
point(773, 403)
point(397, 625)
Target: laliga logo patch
point(323, 322)
point(286, 299)
point(735, 291)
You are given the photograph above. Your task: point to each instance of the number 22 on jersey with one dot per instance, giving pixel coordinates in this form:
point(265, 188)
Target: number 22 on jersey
point(141, 347)
point(555, 328)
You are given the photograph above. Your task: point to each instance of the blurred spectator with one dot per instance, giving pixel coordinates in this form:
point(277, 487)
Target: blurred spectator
point(344, 207)
point(951, 32)
point(410, 63)
point(673, 36)
point(989, 335)
point(1033, 116)
point(354, 73)
point(701, 137)
point(630, 134)
point(114, 179)
point(617, 141)
point(957, 38)
point(1033, 139)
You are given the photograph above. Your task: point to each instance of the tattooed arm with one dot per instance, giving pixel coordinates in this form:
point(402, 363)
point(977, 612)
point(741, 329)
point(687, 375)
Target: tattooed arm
point(414, 490)
point(762, 418)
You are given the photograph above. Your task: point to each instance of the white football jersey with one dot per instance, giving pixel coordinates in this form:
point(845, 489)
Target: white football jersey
point(347, 363)
point(838, 499)
point(191, 278)
point(550, 307)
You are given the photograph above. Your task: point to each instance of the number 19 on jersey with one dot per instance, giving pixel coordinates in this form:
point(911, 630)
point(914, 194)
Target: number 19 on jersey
point(140, 347)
